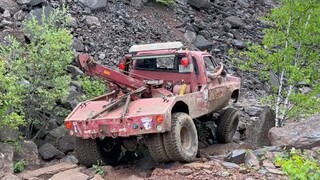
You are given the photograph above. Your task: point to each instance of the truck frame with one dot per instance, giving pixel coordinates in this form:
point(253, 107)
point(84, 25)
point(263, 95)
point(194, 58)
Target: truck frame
point(156, 93)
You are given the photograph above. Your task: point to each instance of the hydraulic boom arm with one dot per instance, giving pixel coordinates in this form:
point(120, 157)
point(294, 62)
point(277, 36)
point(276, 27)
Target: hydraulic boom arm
point(92, 68)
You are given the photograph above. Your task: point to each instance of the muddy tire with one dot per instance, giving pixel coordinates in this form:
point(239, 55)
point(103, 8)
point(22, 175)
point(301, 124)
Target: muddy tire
point(156, 148)
point(87, 152)
point(90, 152)
point(181, 143)
point(227, 125)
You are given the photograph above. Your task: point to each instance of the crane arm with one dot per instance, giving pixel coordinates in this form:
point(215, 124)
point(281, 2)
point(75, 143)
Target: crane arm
point(92, 68)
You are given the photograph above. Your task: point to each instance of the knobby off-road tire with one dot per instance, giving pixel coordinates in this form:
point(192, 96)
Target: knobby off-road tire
point(91, 151)
point(227, 125)
point(156, 148)
point(181, 143)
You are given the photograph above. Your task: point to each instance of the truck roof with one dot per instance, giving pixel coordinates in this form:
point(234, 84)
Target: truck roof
point(164, 52)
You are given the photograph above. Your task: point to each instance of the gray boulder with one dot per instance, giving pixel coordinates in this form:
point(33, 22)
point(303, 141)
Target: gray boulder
point(74, 71)
point(18, 35)
point(9, 5)
point(92, 21)
point(235, 22)
point(6, 158)
point(49, 152)
point(200, 4)
point(257, 132)
point(55, 134)
point(202, 43)
point(7, 134)
point(251, 161)
point(190, 36)
point(238, 44)
point(66, 144)
point(38, 13)
point(304, 134)
point(236, 156)
point(29, 153)
point(77, 45)
point(94, 4)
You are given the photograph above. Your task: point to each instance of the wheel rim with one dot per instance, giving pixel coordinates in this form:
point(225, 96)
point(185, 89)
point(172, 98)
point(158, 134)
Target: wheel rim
point(185, 136)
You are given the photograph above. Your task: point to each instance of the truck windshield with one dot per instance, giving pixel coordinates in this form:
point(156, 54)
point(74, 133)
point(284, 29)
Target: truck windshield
point(158, 63)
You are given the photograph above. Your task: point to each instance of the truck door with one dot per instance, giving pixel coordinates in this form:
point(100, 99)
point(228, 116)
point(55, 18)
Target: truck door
point(217, 91)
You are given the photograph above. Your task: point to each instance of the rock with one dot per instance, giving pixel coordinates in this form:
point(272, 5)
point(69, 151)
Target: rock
point(190, 36)
point(29, 153)
point(19, 16)
point(238, 44)
point(235, 22)
point(97, 177)
point(70, 159)
point(39, 13)
point(23, 2)
point(92, 21)
point(7, 134)
point(47, 170)
point(6, 14)
point(274, 171)
point(184, 171)
point(6, 158)
point(138, 4)
point(10, 177)
point(202, 43)
point(230, 165)
point(9, 5)
point(55, 134)
point(94, 4)
point(223, 173)
point(72, 21)
point(268, 164)
point(236, 156)
point(134, 177)
point(71, 174)
point(102, 56)
point(74, 71)
point(257, 132)
point(200, 4)
point(17, 34)
point(66, 144)
point(252, 110)
point(72, 100)
point(304, 134)
point(274, 79)
point(251, 161)
point(262, 151)
point(77, 45)
point(48, 152)
point(197, 165)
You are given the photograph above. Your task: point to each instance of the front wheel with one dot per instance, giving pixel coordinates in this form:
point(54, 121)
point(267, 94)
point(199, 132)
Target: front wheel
point(227, 125)
point(181, 143)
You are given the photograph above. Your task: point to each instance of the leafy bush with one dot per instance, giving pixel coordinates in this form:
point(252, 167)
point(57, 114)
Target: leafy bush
point(166, 2)
point(93, 87)
point(299, 166)
point(37, 70)
point(19, 166)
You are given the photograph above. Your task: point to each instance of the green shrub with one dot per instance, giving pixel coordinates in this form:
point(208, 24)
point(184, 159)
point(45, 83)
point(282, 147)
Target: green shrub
point(166, 2)
point(299, 166)
point(19, 166)
point(93, 87)
point(97, 169)
point(36, 71)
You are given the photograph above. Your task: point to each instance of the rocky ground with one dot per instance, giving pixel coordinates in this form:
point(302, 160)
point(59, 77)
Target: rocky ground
point(106, 29)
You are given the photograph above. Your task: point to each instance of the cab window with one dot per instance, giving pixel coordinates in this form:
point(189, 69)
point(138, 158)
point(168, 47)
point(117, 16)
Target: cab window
point(209, 63)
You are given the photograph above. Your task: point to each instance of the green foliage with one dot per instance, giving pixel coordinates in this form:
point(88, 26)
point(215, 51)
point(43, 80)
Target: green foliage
point(37, 69)
point(290, 47)
point(98, 169)
point(93, 87)
point(166, 2)
point(10, 98)
point(298, 165)
point(19, 166)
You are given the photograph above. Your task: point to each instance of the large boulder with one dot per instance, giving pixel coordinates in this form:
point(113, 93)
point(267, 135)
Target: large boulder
point(9, 5)
point(7, 134)
point(202, 43)
point(257, 132)
point(55, 134)
point(304, 134)
point(200, 4)
point(6, 158)
point(49, 152)
point(29, 153)
point(94, 4)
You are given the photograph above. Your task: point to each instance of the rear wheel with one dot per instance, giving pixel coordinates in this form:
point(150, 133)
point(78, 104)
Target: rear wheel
point(91, 151)
point(181, 143)
point(156, 148)
point(227, 125)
